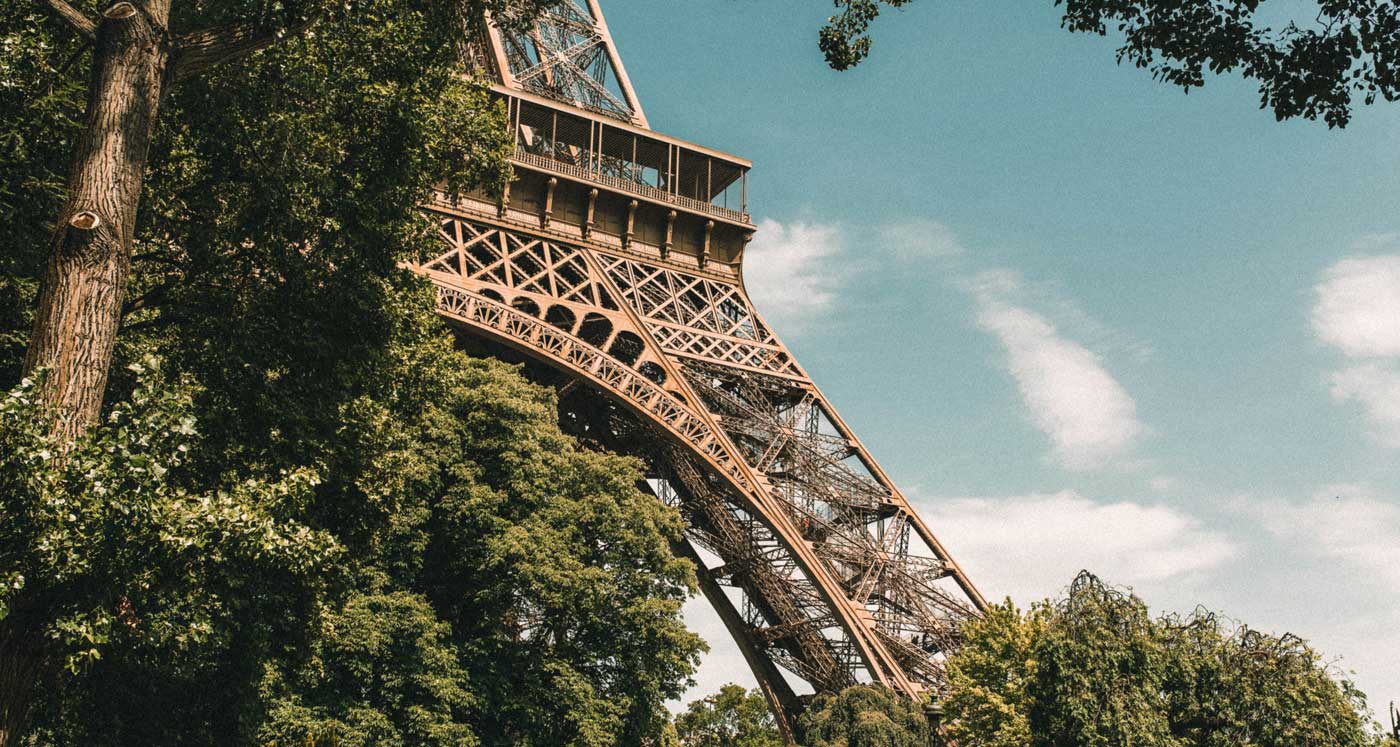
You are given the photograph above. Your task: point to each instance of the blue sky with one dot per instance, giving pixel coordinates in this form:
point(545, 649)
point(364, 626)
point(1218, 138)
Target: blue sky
point(1082, 319)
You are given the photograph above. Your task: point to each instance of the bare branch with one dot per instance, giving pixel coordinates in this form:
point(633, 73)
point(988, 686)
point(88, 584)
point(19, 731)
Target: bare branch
point(75, 18)
point(198, 51)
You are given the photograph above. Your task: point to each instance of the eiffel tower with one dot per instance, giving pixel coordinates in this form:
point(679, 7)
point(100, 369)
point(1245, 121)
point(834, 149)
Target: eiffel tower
point(612, 267)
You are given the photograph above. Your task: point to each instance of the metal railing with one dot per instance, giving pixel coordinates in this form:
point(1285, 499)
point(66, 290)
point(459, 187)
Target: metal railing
point(647, 191)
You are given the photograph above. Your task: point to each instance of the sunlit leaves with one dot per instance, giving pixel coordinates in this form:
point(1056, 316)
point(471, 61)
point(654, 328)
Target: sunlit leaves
point(107, 542)
point(864, 716)
point(732, 717)
point(1095, 668)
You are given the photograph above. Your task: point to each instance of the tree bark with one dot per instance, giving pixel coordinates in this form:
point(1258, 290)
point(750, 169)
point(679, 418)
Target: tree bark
point(19, 666)
point(75, 327)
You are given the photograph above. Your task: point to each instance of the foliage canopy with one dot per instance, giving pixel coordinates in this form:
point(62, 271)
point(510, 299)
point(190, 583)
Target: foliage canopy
point(732, 717)
point(864, 716)
point(457, 571)
point(1096, 669)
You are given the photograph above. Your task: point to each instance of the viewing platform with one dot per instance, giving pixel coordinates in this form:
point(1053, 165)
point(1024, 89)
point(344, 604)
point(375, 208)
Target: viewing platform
point(621, 157)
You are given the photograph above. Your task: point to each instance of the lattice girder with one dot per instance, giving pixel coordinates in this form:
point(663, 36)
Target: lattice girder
point(812, 538)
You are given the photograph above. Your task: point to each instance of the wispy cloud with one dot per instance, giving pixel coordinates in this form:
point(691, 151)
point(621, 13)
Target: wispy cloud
point(1347, 523)
point(793, 272)
point(1357, 311)
point(918, 239)
point(1071, 397)
point(1030, 547)
point(1376, 387)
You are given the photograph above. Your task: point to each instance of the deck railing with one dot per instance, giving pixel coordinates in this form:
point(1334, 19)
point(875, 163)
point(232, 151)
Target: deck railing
point(583, 173)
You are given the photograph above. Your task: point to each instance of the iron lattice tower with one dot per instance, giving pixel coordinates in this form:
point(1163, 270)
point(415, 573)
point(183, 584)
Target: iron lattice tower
point(612, 265)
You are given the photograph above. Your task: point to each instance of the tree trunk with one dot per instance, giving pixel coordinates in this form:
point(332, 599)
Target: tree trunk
point(19, 665)
point(75, 327)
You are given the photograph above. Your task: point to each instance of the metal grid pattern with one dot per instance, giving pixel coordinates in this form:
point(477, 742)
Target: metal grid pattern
point(834, 578)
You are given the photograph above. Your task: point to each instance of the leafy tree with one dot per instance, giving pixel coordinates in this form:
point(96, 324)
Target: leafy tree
point(733, 717)
point(503, 586)
point(1104, 644)
point(1345, 51)
point(989, 701)
point(115, 546)
point(384, 672)
point(1096, 669)
point(864, 716)
point(141, 52)
point(282, 191)
point(1350, 48)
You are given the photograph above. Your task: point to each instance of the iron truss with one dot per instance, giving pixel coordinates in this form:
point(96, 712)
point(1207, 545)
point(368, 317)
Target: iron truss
point(631, 301)
point(565, 55)
point(821, 570)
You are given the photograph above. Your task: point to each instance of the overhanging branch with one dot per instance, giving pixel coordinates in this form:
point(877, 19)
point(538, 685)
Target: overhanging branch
point(75, 18)
point(198, 51)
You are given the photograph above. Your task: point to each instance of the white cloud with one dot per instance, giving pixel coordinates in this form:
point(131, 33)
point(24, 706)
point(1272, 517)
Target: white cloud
point(1335, 559)
point(1030, 547)
point(1358, 312)
point(1358, 306)
point(1089, 417)
point(1346, 523)
point(1377, 388)
point(918, 238)
point(793, 272)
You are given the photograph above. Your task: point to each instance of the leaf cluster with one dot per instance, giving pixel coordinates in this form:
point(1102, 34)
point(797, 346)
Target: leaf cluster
point(863, 716)
point(1095, 668)
point(115, 543)
point(845, 39)
point(732, 717)
point(1350, 49)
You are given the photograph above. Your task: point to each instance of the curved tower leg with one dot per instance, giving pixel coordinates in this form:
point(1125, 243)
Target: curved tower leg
point(815, 561)
point(614, 258)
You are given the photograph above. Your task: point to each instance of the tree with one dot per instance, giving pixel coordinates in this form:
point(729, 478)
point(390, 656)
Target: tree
point(141, 52)
point(1096, 669)
point(1343, 51)
point(500, 585)
point(115, 546)
point(863, 716)
point(733, 717)
point(282, 191)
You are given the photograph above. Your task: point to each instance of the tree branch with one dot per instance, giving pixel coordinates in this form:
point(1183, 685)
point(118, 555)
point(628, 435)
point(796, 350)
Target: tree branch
point(152, 298)
point(198, 51)
point(75, 18)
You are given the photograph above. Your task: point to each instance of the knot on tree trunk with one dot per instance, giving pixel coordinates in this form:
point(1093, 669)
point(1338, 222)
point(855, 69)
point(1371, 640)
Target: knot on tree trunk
point(120, 11)
point(85, 221)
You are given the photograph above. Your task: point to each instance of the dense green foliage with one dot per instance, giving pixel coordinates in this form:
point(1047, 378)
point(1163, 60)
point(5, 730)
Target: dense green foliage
point(395, 543)
point(1095, 669)
point(732, 717)
point(117, 545)
point(864, 716)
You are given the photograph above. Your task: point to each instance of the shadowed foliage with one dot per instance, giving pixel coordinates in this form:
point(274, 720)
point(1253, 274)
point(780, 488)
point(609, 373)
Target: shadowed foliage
point(319, 389)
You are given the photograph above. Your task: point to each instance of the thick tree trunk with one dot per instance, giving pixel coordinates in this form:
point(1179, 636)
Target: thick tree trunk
point(75, 328)
point(19, 666)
